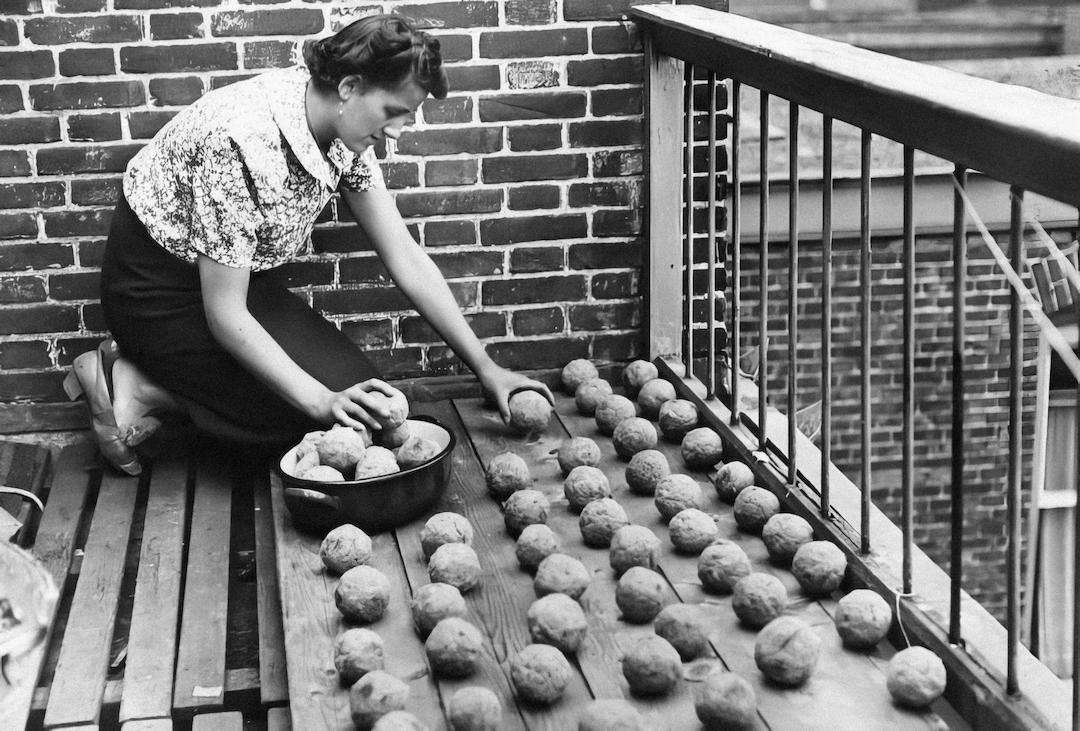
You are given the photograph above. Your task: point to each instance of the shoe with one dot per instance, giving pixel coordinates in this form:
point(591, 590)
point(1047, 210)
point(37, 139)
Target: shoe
point(91, 377)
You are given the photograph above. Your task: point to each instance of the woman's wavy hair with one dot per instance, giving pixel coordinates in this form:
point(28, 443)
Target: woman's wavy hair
point(384, 49)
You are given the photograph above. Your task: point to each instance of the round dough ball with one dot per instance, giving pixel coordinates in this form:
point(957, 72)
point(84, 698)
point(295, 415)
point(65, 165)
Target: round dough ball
point(341, 447)
point(611, 410)
point(535, 543)
point(862, 619)
point(416, 451)
point(753, 508)
point(454, 647)
point(306, 462)
point(636, 374)
point(730, 479)
point(583, 485)
point(691, 530)
point(599, 520)
point(758, 599)
point(726, 702)
point(399, 721)
point(309, 445)
point(783, 533)
point(676, 493)
point(395, 406)
point(652, 666)
point(357, 651)
point(577, 452)
point(524, 507)
point(394, 437)
point(375, 695)
point(702, 448)
point(683, 626)
point(345, 547)
point(577, 372)
point(432, 603)
point(632, 435)
point(362, 594)
point(634, 545)
point(640, 594)
point(474, 708)
point(456, 564)
point(645, 470)
point(589, 395)
point(376, 462)
point(611, 714)
point(786, 651)
point(530, 412)
point(721, 565)
point(561, 573)
point(653, 395)
point(506, 474)
point(444, 528)
point(676, 418)
point(915, 677)
point(539, 673)
point(819, 567)
point(557, 620)
point(323, 473)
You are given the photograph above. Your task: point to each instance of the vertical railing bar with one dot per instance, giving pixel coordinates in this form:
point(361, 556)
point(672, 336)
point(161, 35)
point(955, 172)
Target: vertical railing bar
point(688, 224)
point(907, 477)
point(1076, 576)
point(1016, 434)
point(865, 290)
point(763, 270)
point(826, 310)
point(735, 344)
point(956, 561)
point(793, 288)
point(710, 371)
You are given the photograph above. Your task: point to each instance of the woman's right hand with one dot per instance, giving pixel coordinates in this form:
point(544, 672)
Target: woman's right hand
point(356, 406)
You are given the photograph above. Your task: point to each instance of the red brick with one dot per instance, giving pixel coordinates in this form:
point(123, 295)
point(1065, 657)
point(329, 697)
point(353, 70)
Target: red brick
point(95, 192)
point(606, 255)
point(599, 9)
point(616, 102)
point(18, 225)
point(9, 33)
point(395, 362)
point(24, 354)
point(22, 7)
point(614, 285)
point(534, 43)
point(21, 290)
point(94, 127)
point(525, 138)
point(31, 195)
point(179, 91)
point(87, 62)
point(517, 168)
point(304, 274)
point(38, 319)
point(531, 259)
point(39, 255)
point(621, 347)
point(26, 65)
point(513, 230)
point(531, 75)
point(473, 78)
point(85, 159)
point(363, 270)
point(453, 47)
point(617, 163)
point(81, 6)
point(87, 95)
point(605, 193)
point(176, 26)
point(448, 202)
point(84, 29)
point(32, 387)
point(451, 110)
point(158, 4)
point(543, 353)
point(144, 125)
point(597, 71)
point(537, 321)
point(533, 197)
point(532, 290)
point(531, 12)
point(370, 334)
point(28, 130)
point(473, 140)
point(461, 14)
point(268, 54)
point(220, 80)
point(339, 239)
point(450, 172)
point(541, 105)
point(484, 324)
point(617, 223)
point(165, 58)
point(401, 174)
point(449, 233)
point(361, 301)
point(290, 22)
point(461, 264)
point(86, 222)
point(75, 286)
point(621, 38)
point(608, 316)
point(91, 252)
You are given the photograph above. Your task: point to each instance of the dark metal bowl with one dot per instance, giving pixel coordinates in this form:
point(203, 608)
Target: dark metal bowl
point(373, 504)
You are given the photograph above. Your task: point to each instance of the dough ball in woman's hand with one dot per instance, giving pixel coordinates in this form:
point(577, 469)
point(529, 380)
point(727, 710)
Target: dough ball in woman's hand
point(456, 564)
point(416, 451)
point(636, 374)
point(786, 651)
point(540, 674)
point(345, 547)
point(524, 507)
point(645, 470)
point(583, 485)
point(758, 599)
point(702, 448)
point(530, 412)
point(683, 626)
point(862, 619)
point(357, 651)
point(395, 408)
point(444, 528)
point(915, 677)
point(721, 565)
point(557, 620)
point(676, 418)
point(634, 545)
point(432, 603)
point(633, 435)
point(454, 648)
point(576, 372)
point(599, 520)
point(506, 474)
point(640, 594)
point(784, 534)
point(611, 410)
point(394, 437)
point(341, 448)
point(577, 452)
point(611, 714)
point(474, 708)
point(589, 395)
point(376, 462)
point(691, 530)
point(375, 695)
point(651, 666)
point(726, 702)
point(819, 567)
point(653, 395)
point(362, 594)
point(676, 493)
point(561, 573)
point(399, 721)
point(535, 543)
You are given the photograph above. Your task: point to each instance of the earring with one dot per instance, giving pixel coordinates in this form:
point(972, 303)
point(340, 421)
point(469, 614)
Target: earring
point(341, 108)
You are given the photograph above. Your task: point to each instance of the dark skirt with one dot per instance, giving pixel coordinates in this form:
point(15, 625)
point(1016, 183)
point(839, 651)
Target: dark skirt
point(154, 309)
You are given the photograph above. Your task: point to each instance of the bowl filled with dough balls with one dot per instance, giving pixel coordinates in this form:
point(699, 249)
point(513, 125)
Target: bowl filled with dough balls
point(338, 476)
point(540, 674)
point(652, 666)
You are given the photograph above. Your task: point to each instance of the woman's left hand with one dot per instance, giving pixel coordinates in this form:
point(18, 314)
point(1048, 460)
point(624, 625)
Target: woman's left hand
point(499, 383)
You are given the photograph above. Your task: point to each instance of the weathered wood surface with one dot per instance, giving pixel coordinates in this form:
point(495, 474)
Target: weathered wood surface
point(273, 686)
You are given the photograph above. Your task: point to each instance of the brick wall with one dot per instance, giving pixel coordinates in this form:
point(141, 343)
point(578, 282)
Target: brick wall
point(524, 184)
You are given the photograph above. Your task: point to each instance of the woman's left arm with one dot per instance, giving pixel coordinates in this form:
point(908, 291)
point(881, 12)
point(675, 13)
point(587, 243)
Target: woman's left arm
point(422, 282)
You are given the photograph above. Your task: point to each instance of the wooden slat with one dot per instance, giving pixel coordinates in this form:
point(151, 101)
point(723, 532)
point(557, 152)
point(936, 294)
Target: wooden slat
point(148, 724)
point(231, 721)
point(200, 663)
point(151, 654)
point(79, 680)
point(273, 686)
point(277, 719)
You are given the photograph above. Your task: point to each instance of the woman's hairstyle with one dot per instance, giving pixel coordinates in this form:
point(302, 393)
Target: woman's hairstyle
point(384, 49)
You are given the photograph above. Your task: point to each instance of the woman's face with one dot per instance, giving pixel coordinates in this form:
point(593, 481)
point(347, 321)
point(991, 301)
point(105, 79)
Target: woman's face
point(371, 113)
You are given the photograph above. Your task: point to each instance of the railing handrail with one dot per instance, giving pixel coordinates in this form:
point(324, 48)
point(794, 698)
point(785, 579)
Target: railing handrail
point(1010, 133)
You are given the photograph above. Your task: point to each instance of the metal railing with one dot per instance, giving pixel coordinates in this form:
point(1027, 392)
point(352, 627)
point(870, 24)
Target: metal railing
point(699, 64)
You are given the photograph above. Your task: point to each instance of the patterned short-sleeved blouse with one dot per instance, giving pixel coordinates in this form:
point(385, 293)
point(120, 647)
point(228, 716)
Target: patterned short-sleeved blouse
point(237, 175)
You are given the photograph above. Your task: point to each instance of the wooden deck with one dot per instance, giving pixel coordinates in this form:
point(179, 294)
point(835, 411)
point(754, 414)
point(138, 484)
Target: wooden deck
point(190, 601)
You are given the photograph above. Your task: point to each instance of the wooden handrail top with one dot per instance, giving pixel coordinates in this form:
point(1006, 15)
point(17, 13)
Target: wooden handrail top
point(1013, 134)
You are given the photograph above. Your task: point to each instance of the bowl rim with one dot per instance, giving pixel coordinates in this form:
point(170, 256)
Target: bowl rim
point(320, 485)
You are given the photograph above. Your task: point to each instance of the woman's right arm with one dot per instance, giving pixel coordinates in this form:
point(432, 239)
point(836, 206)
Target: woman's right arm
point(224, 293)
